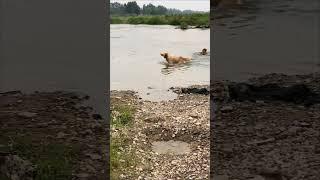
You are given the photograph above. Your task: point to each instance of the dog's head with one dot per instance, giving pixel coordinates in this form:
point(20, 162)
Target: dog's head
point(204, 51)
point(164, 54)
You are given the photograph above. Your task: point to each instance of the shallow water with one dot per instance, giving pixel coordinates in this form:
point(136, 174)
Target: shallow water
point(136, 63)
point(266, 36)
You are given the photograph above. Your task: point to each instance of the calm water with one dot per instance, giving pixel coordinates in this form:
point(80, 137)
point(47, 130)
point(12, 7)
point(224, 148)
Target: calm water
point(53, 45)
point(266, 36)
point(136, 63)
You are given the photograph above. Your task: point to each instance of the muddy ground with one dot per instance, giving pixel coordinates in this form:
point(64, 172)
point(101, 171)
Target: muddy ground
point(51, 136)
point(271, 140)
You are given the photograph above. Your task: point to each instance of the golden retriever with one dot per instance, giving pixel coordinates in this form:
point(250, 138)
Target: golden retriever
point(174, 59)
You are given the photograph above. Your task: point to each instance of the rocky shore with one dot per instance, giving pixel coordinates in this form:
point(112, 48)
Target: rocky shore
point(267, 128)
point(270, 139)
point(169, 139)
point(259, 136)
point(51, 136)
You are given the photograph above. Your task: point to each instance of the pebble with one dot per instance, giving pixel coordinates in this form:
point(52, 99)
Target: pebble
point(61, 135)
point(82, 175)
point(220, 177)
point(27, 114)
point(94, 156)
point(226, 109)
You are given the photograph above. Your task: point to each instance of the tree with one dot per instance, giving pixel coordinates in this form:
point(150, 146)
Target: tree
point(117, 9)
point(132, 8)
point(161, 10)
point(148, 9)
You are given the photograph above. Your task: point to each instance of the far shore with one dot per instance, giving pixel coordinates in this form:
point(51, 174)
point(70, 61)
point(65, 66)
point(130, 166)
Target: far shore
point(182, 21)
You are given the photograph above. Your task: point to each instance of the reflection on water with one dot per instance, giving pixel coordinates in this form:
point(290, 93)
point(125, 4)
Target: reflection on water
point(136, 63)
point(259, 37)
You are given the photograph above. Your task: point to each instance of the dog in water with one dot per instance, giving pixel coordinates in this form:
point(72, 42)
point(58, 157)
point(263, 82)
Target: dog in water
point(174, 59)
point(204, 51)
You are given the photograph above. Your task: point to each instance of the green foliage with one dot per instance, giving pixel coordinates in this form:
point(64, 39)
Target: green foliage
point(132, 8)
point(184, 25)
point(121, 159)
point(117, 20)
point(52, 161)
point(156, 20)
point(122, 115)
point(190, 20)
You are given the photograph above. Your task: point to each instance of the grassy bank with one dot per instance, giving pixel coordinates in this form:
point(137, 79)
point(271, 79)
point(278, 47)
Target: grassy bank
point(190, 19)
point(51, 160)
point(122, 160)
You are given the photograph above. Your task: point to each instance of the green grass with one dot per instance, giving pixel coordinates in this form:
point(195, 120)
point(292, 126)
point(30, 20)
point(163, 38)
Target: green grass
point(52, 161)
point(121, 160)
point(122, 116)
point(190, 19)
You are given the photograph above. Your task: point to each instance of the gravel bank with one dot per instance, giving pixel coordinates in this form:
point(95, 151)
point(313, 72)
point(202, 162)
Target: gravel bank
point(51, 135)
point(184, 121)
point(265, 139)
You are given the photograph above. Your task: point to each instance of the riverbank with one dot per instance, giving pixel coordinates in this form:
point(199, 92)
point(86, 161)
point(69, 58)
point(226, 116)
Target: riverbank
point(168, 139)
point(51, 136)
point(251, 139)
point(183, 21)
point(266, 139)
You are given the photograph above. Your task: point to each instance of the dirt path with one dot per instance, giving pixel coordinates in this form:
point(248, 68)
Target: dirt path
point(157, 126)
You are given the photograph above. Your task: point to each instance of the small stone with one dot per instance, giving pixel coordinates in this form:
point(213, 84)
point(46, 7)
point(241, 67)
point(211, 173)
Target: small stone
point(258, 178)
point(82, 175)
point(122, 176)
point(43, 124)
point(293, 130)
point(194, 116)
point(87, 132)
point(259, 102)
point(303, 124)
point(174, 162)
point(27, 114)
point(221, 177)
point(90, 168)
point(261, 141)
point(94, 156)
point(226, 109)
point(61, 135)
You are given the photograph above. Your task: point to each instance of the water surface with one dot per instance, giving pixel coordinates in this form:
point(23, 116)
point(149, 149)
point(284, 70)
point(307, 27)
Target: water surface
point(136, 63)
point(263, 37)
point(54, 46)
